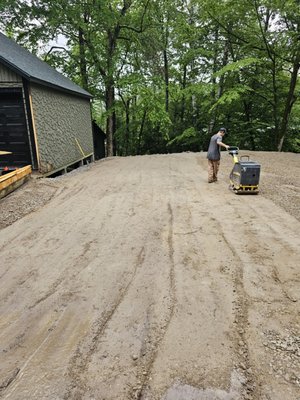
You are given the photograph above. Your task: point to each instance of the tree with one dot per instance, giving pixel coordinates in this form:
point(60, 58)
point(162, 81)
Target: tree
point(168, 73)
point(94, 30)
point(268, 31)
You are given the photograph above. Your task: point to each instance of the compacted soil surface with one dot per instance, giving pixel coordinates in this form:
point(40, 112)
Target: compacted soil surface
point(133, 278)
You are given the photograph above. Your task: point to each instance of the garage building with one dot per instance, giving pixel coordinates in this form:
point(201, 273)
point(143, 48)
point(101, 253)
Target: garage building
point(45, 119)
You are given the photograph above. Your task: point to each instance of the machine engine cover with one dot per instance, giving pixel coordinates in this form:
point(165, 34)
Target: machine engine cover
point(246, 173)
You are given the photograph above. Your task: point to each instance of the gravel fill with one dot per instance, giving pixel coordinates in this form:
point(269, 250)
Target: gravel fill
point(279, 182)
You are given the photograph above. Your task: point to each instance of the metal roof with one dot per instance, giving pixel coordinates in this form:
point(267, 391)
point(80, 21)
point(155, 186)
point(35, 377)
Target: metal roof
point(32, 68)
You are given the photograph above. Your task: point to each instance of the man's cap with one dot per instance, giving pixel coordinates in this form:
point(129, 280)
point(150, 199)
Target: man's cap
point(222, 130)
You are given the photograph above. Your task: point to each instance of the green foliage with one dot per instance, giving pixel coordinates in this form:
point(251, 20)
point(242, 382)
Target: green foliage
point(175, 70)
point(238, 66)
point(184, 138)
point(231, 95)
point(187, 140)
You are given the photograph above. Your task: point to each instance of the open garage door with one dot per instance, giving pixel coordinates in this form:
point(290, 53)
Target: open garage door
point(13, 129)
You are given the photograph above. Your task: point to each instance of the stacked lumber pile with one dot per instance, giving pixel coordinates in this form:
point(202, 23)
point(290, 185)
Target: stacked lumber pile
point(11, 181)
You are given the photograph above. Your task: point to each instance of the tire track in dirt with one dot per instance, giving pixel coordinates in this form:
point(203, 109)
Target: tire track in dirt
point(241, 320)
point(19, 283)
point(185, 293)
point(80, 360)
point(35, 237)
point(78, 265)
point(241, 303)
point(68, 274)
point(144, 375)
point(276, 278)
point(63, 283)
point(9, 379)
point(241, 311)
point(193, 256)
point(264, 254)
point(4, 273)
point(258, 251)
point(285, 246)
point(243, 258)
point(147, 316)
point(15, 379)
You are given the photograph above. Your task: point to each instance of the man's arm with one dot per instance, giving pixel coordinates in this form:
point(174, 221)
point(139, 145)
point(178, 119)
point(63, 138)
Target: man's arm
point(223, 145)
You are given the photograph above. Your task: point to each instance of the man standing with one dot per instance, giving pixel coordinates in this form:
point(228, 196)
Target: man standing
point(214, 155)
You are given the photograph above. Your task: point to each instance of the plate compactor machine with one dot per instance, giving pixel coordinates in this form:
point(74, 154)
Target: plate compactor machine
point(244, 177)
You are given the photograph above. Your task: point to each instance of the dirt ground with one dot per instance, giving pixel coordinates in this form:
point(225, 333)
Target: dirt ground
point(133, 278)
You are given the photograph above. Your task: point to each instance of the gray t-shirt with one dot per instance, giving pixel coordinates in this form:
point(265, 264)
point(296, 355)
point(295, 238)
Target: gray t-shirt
point(213, 152)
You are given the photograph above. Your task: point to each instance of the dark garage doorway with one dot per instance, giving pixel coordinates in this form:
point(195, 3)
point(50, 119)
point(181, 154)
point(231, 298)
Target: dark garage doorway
point(13, 129)
point(99, 142)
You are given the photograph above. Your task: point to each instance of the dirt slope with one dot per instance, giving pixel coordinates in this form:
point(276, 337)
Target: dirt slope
point(138, 280)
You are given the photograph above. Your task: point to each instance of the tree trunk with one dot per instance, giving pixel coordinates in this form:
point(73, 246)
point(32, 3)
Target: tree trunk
point(215, 96)
point(110, 123)
point(82, 60)
point(127, 133)
point(275, 101)
point(212, 120)
point(141, 132)
point(110, 91)
point(166, 77)
point(112, 41)
point(289, 102)
point(224, 63)
point(184, 78)
point(247, 112)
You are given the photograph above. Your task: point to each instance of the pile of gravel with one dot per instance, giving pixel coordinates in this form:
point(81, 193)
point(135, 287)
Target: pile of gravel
point(28, 198)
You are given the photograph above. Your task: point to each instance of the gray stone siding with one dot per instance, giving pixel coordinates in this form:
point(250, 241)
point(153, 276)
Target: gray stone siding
point(9, 77)
point(63, 126)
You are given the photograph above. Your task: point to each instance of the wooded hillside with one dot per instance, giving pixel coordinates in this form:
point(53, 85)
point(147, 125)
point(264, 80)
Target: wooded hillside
point(166, 74)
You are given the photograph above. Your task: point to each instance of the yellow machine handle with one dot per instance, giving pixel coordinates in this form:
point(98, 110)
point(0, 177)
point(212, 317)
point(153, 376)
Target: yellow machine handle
point(234, 151)
point(235, 159)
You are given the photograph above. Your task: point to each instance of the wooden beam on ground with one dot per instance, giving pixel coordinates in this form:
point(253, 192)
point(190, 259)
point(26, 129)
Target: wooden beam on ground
point(11, 181)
